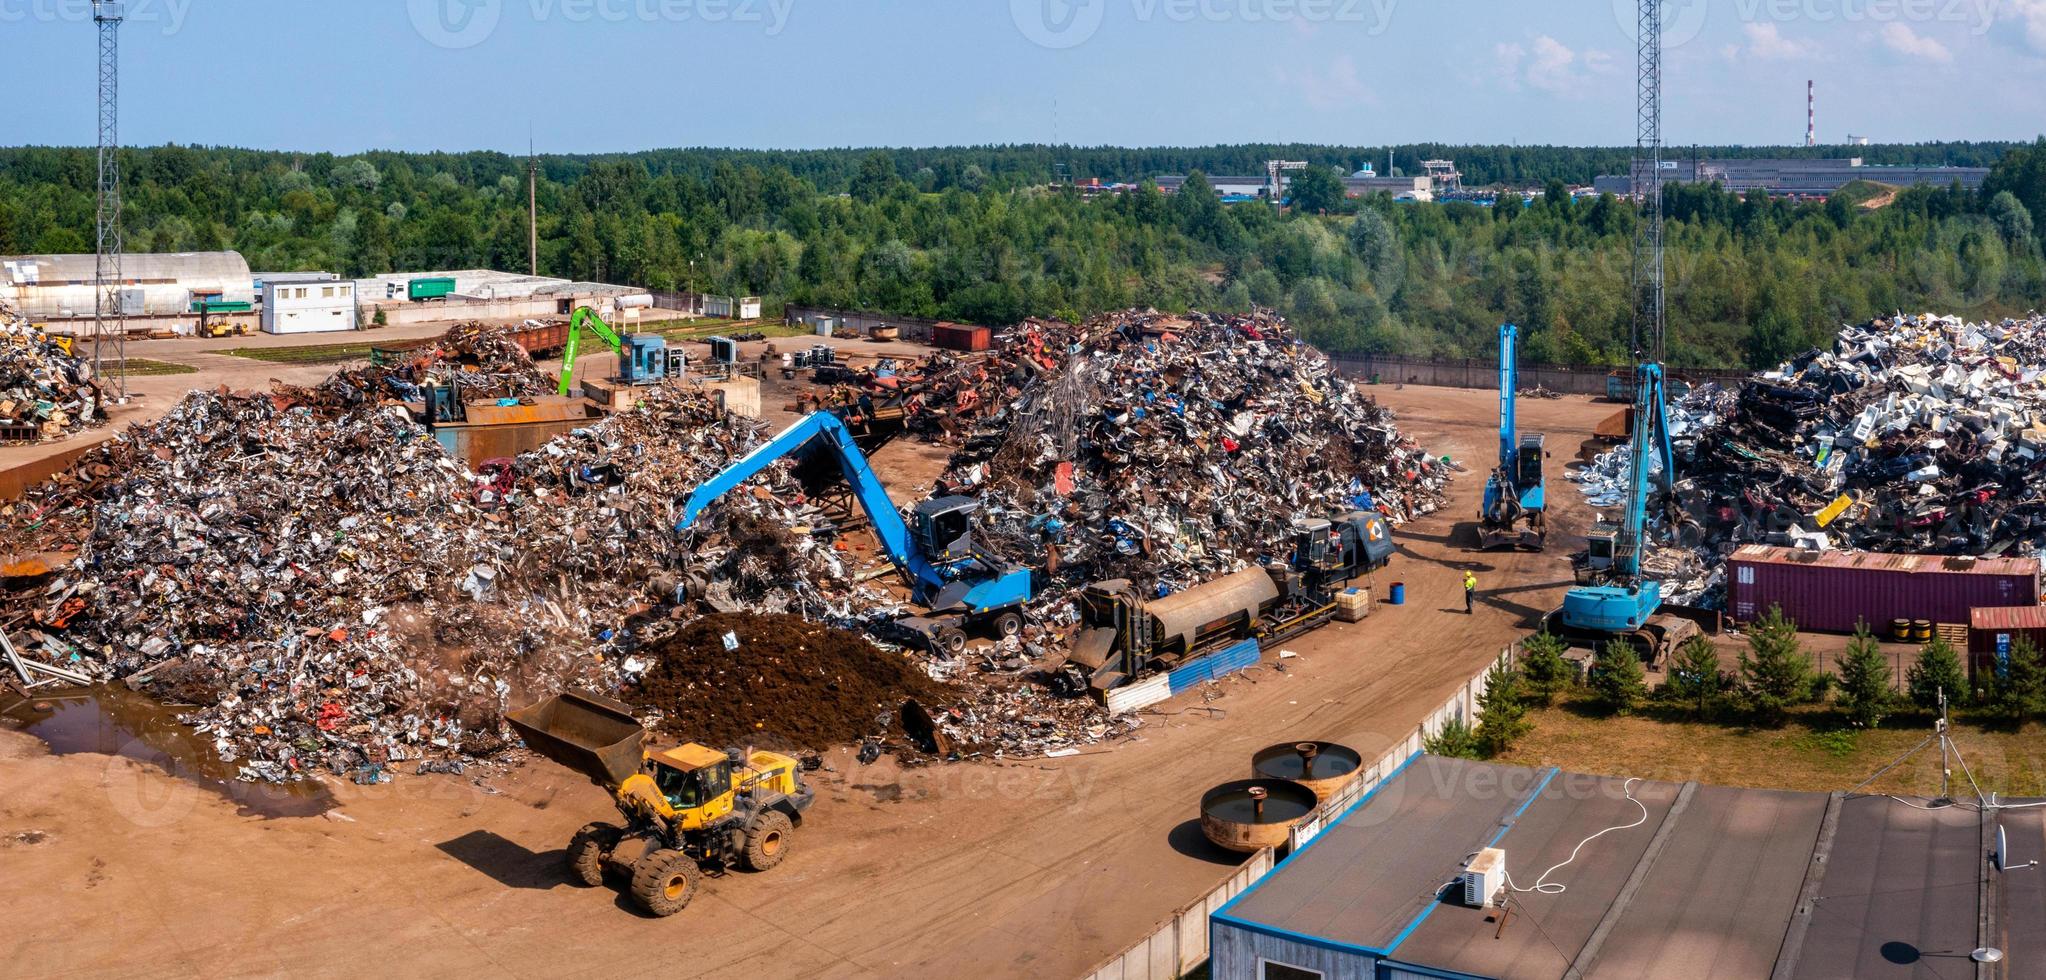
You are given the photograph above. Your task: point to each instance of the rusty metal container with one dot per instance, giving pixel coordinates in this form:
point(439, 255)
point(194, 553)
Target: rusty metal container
point(1324, 767)
point(1249, 815)
point(960, 337)
point(1828, 592)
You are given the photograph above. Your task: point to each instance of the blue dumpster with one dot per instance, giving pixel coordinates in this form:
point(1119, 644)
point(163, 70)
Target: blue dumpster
point(1399, 594)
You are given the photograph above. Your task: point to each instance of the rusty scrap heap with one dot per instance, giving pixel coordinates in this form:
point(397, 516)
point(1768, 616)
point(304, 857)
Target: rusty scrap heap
point(1170, 449)
point(1914, 434)
point(326, 586)
point(45, 393)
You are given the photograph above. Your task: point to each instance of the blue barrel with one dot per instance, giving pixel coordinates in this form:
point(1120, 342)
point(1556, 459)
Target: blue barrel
point(1399, 594)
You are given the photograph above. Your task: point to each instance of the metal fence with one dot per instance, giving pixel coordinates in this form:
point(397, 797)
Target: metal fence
point(1570, 379)
point(914, 329)
point(1180, 943)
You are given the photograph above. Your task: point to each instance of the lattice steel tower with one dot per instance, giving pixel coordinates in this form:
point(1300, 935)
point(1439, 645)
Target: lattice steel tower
point(1649, 317)
point(109, 325)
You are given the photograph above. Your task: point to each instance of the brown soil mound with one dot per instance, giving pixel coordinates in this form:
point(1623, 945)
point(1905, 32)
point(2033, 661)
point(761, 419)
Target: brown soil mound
point(790, 684)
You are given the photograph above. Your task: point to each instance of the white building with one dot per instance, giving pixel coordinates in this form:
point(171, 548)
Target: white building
point(62, 287)
point(308, 307)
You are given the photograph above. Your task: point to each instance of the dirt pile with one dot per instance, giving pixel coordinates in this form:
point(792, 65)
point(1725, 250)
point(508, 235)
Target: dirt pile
point(776, 681)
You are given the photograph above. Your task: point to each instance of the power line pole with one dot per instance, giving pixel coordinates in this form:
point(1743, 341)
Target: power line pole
point(109, 321)
point(532, 210)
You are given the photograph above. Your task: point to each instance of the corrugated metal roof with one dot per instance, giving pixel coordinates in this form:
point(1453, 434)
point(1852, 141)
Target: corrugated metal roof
point(1765, 554)
point(135, 266)
point(2007, 618)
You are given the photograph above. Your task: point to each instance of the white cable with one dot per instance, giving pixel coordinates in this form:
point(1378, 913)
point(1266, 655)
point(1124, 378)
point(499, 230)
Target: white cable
point(1544, 886)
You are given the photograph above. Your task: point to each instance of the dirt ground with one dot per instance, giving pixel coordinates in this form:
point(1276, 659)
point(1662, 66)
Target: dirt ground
point(1039, 868)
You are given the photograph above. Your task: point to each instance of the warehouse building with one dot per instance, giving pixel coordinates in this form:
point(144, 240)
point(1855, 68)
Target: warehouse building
point(62, 287)
point(1798, 178)
point(484, 294)
point(1610, 878)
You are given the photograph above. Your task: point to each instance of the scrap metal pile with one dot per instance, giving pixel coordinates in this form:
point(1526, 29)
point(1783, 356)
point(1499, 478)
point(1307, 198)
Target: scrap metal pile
point(1169, 450)
point(42, 387)
point(1915, 434)
point(480, 360)
point(322, 582)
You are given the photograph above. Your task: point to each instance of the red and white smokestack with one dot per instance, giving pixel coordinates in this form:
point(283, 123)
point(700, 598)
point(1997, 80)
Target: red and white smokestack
point(1811, 109)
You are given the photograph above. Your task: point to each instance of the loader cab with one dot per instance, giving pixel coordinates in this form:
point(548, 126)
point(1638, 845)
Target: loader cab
point(944, 529)
point(692, 776)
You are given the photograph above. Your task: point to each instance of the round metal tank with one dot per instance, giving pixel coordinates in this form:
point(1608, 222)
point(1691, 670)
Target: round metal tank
point(1323, 767)
point(1251, 814)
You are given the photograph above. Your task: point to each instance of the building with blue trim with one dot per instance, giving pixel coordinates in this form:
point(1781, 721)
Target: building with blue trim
point(1609, 878)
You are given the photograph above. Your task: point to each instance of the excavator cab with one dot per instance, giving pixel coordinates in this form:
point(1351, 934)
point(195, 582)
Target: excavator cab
point(944, 529)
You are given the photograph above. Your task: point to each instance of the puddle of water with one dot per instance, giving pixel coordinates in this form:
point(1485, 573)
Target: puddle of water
point(112, 720)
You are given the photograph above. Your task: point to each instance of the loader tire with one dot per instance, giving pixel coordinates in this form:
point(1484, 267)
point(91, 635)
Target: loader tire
point(767, 841)
point(664, 881)
point(587, 851)
point(1008, 624)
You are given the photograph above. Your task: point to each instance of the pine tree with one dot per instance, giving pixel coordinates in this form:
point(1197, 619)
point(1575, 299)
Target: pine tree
point(1502, 716)
point(1454, 741)
point(1775, 670)
point(2015, 689)
point(1865, 694)
point(1695, 679)
point(1544, 668)
point(1938, 669)
point(1617, 679)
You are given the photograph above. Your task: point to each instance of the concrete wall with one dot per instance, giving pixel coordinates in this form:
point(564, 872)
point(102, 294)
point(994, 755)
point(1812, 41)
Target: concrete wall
point(914, 329)
point(1572, 379)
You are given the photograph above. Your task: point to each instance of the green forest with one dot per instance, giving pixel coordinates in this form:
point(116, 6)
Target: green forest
point(991, 235)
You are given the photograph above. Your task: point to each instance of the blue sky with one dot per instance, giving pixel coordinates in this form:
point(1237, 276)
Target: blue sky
point(601, 75)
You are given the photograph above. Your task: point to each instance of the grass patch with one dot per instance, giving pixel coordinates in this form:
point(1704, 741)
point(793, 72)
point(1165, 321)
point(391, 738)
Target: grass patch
point(142, 367)
point(1810, 753)
point(312, 354)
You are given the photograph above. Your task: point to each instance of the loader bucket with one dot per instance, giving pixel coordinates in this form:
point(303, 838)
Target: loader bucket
point(592, 735)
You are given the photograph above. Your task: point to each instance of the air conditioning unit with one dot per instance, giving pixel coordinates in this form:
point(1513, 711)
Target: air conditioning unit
point(1485, 878)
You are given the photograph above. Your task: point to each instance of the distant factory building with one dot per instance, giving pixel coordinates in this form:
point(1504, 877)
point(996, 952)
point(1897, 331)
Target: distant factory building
point(62, 287)
point(1403, 188)
point(1798, 178)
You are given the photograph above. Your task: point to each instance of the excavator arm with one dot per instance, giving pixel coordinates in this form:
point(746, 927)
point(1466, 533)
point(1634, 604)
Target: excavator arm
point(584, 316)
point(888, 524)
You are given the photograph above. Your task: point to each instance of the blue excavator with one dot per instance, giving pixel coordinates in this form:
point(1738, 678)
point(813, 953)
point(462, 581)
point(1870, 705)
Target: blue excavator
point(1514, 512)
point(964, 587)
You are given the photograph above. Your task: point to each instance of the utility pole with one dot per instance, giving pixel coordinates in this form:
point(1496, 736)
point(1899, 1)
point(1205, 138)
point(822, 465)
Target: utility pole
point(532, 210)
point(109, 322)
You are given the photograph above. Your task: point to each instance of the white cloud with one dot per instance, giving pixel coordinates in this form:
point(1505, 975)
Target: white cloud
point(1767, 43)
point(1335, 88)
point(1903, 40)
point(2031, 18)
point(1549, 65)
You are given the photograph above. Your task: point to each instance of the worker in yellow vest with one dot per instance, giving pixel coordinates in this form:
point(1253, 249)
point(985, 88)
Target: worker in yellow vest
point(1470, 590)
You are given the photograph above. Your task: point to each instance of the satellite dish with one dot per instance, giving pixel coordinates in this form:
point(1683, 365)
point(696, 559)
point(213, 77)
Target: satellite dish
point(1987, 954)
point(2002, 861)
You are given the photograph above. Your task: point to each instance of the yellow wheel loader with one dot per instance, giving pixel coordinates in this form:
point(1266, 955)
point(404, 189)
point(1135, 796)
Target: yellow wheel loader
point(686, 810)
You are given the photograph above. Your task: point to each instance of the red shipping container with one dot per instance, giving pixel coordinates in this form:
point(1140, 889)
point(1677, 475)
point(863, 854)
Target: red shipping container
point(960, 337)
point(1829, 592)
